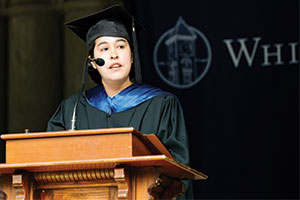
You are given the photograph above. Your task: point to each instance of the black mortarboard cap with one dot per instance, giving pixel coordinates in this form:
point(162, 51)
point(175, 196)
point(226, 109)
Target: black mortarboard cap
point(113, 21)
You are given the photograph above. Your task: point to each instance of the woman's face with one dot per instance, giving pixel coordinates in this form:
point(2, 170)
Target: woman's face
point(116, 53)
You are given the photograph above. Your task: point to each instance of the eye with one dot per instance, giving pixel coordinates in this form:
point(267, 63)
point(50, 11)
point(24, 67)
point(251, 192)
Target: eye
point(121, 46)
point(104, 49)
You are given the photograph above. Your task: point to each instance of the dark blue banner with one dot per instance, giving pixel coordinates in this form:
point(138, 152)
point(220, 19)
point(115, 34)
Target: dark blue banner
point(235, 67)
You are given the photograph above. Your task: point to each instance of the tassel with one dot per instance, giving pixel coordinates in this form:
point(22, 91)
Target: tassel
point(137, 67)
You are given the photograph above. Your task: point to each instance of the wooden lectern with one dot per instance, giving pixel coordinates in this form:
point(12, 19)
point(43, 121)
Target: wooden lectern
point(117, 163)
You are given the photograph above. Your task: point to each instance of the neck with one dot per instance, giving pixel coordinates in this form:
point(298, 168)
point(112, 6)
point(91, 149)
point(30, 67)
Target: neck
point(113, 89)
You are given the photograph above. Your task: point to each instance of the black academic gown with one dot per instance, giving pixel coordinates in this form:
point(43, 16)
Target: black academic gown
point(161, 115)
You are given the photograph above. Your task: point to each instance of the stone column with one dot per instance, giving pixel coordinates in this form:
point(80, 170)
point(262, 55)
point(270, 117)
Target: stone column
point(45, 60)
point(3, 90)
point(34, 64)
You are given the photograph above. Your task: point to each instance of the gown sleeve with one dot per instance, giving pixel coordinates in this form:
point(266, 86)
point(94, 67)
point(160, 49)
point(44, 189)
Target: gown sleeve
point(61, 119)
point(57, 122)
point(172, 132)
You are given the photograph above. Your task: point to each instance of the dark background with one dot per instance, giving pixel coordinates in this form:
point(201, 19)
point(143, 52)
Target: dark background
point(243, 121)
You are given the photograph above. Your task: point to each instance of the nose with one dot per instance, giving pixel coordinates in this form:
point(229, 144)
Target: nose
point(114, 54)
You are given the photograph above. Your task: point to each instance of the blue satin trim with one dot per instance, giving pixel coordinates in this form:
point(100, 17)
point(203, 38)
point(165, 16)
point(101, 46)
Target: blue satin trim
point(124, 100)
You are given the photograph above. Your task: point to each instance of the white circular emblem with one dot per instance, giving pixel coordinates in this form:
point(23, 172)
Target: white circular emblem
point(182, 56)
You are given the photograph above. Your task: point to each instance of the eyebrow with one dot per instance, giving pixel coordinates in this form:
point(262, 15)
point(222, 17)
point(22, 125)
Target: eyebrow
point(101, 43)
point(121, 40)
point(104, 42)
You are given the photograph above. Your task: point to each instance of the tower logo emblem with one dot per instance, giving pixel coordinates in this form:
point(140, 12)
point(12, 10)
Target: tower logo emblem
point(182, 56)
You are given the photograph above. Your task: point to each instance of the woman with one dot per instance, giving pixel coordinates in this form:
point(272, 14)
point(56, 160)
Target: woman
point(120, 99)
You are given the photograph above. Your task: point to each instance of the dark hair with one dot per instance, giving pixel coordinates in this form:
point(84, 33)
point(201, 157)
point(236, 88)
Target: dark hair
point(95, 75)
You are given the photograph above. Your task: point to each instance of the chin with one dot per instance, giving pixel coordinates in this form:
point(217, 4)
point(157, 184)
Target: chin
point(119, 79)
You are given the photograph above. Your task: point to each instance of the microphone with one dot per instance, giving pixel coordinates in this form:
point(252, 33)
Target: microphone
point(99, 61)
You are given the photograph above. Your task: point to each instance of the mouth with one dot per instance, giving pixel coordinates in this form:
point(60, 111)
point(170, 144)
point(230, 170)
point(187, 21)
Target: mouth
point(115, 65)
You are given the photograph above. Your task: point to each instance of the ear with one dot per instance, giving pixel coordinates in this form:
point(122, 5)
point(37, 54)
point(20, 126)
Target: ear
point(92, 62)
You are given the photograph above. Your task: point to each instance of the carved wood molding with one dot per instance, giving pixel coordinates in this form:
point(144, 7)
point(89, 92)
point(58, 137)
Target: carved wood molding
point(122, 183)
point(19, 187)
point(116, 176)
point(74, 176)
point(3, 195)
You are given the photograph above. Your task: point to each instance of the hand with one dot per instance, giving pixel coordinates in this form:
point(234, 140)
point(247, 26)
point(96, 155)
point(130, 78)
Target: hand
point(166, 187)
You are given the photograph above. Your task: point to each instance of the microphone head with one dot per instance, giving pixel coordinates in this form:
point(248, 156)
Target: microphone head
point(99, 61)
